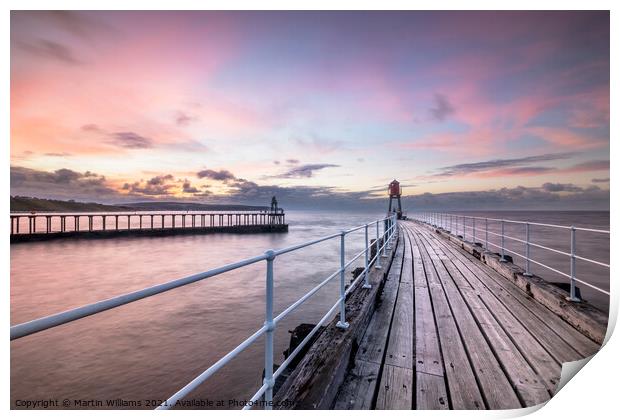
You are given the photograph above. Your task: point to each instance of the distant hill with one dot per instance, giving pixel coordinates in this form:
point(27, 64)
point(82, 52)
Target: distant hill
point(27, 204)
point(180, 206)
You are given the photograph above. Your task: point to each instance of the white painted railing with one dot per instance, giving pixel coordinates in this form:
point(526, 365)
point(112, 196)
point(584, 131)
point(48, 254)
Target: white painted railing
point(458, 225)
point(385, 229)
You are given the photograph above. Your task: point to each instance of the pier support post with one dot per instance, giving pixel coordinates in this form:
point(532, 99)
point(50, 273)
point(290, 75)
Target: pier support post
point(486, 234)
point(343, 324)
point(377, 256)
point(503, 258)
point(366, 284)
point(269, 381)
point(573, 250)
point(384, 241)
point(527, 251)
point(473, 221)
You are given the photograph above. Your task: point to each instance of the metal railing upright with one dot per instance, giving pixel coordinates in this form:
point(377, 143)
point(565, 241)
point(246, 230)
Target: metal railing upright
point(383, 241)
point(454, 225)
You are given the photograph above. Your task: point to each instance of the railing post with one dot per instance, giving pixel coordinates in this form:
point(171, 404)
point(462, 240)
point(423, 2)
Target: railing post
point(573, 250)
point(269, 381)
point(366, 284)
point(473, 220)
point(463, 228)
point(503, 258)
point(527, 251)
point(377, 256)
point(384, 241)
point(343, 324)
point(486, 233)
point(388, 236)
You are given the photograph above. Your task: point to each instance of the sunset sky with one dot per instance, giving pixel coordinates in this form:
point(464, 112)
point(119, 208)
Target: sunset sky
point(468, 110)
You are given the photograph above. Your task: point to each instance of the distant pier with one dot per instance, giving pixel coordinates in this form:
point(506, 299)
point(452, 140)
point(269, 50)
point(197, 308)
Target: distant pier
point(45, 226)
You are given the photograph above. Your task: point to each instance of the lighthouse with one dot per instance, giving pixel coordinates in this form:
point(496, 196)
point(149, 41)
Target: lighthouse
point(395, 191)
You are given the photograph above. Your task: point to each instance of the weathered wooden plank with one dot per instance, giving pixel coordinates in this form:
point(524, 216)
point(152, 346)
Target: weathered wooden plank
point(400, 345)
point(407, 273)
point(358, 388)
point(396, 389)
point(524, 379)
point(431, 392)
point(427, 353)
point(462, 385)
point(538, 356)
point(508, 292)
point(419, 276)
point(587, 319)
point(557, 347)
point(315, 382)
point(495, 386)
point(373, 344)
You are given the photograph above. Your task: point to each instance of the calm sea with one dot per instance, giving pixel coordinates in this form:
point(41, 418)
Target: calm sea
point(149, 349)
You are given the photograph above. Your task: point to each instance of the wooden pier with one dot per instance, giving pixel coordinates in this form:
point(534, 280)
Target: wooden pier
point(43, 226)
point(445, 326)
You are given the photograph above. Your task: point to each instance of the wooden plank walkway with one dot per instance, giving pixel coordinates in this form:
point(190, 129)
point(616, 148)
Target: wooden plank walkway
point(451, 333)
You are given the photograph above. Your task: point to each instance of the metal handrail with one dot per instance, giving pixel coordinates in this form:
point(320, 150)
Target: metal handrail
point(450, 221)
point(383, 242)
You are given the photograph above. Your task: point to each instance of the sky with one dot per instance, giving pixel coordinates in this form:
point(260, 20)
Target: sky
point(468, 110)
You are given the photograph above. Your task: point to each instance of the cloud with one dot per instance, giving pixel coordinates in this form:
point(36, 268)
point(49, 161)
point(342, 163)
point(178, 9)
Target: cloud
point(600, 180)
point(92, 128)
point(276, 162)
point(189, 189)
point(184, 119)
point(219, 175)
point(551, 187)
point(50, 50)
point(160, 179)
point(159, 185)
point(78, 24)
point(305, 171)
point(442, 108)
point(320, 144)
point(130, 140)
point(57, 154)
point(292, 161)
point(186, 146)
point(591, 165)
point(546, 197)
point(61, 183)
point(68, 184)
point(517, 166)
